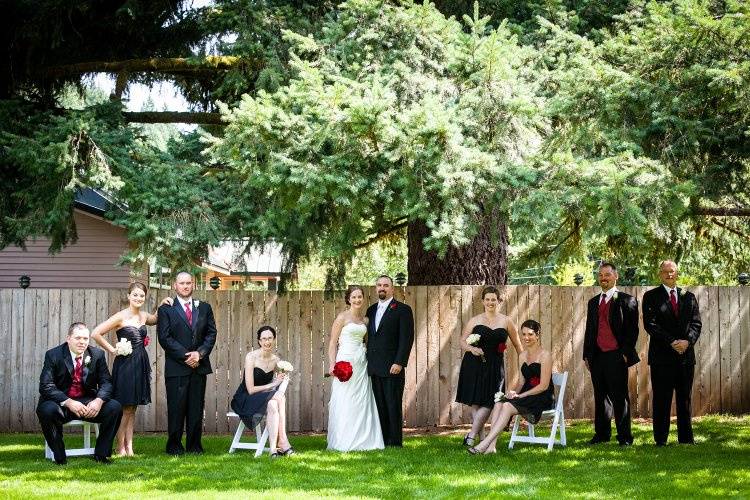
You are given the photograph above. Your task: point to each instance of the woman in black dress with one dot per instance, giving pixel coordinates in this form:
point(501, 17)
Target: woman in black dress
point(257, 395)
point(482, 368)
point(534, 391)
point(131, 374)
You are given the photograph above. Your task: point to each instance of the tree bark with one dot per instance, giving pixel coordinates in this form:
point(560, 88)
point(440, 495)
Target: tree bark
point(724, 211)
point(482, 262)
point(174, 65)
point(173, 117)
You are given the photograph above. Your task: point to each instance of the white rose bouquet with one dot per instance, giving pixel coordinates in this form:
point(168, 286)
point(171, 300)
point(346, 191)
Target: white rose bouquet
point(124, 347)
point(499, 396)
point(473, 338)
point(284, 366)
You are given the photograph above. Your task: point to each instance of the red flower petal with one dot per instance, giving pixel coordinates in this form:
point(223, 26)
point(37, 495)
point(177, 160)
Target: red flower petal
point(146, 341)
point(534, 381)
point(501, 347)
point(393, 305)
point(342, 370)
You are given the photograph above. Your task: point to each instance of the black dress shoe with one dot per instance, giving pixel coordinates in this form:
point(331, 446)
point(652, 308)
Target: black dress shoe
point(62, 461)
point(597, 440)
point(102, 460)
point(661, 443)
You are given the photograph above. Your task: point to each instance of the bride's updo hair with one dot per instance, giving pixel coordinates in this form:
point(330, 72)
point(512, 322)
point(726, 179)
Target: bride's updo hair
point(349, 291)
point(139, 285)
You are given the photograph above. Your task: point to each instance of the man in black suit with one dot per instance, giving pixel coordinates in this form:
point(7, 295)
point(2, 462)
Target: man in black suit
point(187, 333)
point(672, 319)
point(389, 340)
point(609, 350)
point(75, 384)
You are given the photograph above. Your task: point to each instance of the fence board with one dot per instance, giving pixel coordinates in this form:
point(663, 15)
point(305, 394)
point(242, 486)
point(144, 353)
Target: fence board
point(33, 321)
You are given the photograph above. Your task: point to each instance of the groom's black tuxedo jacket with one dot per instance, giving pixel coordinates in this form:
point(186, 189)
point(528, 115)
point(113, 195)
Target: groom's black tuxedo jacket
point(623, 320)
point(177, 337)
point(391, 342)
point(57, 375)
point(664, 327)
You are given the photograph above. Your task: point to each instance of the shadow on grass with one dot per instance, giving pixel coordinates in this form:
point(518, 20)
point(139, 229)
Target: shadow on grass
point(428, 466)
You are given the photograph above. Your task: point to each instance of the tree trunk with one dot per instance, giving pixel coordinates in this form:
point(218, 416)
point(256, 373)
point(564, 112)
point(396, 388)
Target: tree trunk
point(482, 262)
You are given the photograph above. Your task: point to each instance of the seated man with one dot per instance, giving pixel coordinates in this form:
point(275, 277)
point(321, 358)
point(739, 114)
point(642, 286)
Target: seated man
point(75, 384)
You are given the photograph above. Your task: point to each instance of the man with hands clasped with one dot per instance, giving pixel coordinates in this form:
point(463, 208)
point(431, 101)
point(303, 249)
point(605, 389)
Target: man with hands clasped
point(75, 383)
point(673, 321)
point(187, 333)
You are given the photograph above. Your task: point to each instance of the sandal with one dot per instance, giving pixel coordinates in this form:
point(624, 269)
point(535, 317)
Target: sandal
point(288, 452)
point(473, 451)
point(468, 440)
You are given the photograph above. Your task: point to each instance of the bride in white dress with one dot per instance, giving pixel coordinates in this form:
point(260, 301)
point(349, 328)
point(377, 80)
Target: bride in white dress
point(353, 422)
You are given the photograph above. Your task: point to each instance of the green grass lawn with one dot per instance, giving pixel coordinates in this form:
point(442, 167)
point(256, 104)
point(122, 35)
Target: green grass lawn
point(429, 465)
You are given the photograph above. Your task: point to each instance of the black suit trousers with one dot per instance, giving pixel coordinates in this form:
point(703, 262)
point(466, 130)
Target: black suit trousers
point(609, 376)
point(389, 393)
point(52, 416)
point(666, 379)
point(185, 401)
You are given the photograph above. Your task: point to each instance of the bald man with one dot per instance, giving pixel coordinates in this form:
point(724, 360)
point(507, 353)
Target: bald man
point(672, 318)
point(187, 333)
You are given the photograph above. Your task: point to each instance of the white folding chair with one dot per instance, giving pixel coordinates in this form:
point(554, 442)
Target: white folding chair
point(560, 380)
point(261, 432)
point(75, 452)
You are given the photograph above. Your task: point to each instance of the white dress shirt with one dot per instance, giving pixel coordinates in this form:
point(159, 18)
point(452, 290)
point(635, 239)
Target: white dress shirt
point(382, 306)
point(608, 294)
point(669, 291)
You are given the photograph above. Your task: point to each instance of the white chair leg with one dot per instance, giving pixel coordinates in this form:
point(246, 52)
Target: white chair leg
point(262, 439)
point(513, 432)
point(531, 430)
point(552, 433)
point(86, 435)
point(237, 436)
point(562, 430)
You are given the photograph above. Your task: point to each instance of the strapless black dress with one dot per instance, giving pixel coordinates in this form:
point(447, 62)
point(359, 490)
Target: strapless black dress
point(131, 374)
point(479, 380)
point(531, 407)
point(251, 408)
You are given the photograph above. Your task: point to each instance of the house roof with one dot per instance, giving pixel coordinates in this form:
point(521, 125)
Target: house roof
point(92, 201)
point(230, 258)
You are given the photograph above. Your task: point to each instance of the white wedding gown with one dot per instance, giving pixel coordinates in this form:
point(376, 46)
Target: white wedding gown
point(353, 422)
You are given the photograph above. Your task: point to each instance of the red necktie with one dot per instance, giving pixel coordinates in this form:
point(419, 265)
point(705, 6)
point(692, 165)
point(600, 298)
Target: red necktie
point(189, 313)
point(673, 300)
point(76, 390)
point(604, 298)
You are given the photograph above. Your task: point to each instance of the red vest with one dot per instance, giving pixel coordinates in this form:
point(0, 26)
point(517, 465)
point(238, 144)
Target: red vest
point(605, 339)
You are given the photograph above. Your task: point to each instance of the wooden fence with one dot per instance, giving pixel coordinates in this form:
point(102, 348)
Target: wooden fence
point(33, 320)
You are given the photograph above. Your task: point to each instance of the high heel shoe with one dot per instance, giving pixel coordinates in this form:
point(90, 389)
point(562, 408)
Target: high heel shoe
point(468, 440)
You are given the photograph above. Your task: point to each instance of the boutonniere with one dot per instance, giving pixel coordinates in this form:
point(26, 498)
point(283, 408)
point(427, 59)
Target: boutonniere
point(681, 292)
point(393, 305)
point(614, 296)
point(86, 361)
point(196, 303)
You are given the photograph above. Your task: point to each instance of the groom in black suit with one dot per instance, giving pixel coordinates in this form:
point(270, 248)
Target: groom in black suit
point(75, 384)
point(187, 333)
point(608, 351)
point(389, 339)
point(672, 319)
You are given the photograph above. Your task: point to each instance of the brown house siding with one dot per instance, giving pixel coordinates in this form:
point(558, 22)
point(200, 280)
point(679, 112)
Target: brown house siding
point(89, 263)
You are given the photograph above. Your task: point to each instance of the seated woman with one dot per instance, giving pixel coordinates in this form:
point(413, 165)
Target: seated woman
point(534, 391)
point(258, 396)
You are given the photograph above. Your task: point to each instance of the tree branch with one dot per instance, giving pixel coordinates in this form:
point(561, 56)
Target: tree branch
point(724, 211)
point(174, 65)
point(173, 117)
point(730, 229)
point(382, 234)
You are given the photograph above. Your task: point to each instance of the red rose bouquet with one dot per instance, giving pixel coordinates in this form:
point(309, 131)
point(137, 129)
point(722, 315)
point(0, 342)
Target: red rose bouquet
point(534, 381)
point(342, 370)
point(501, 347)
